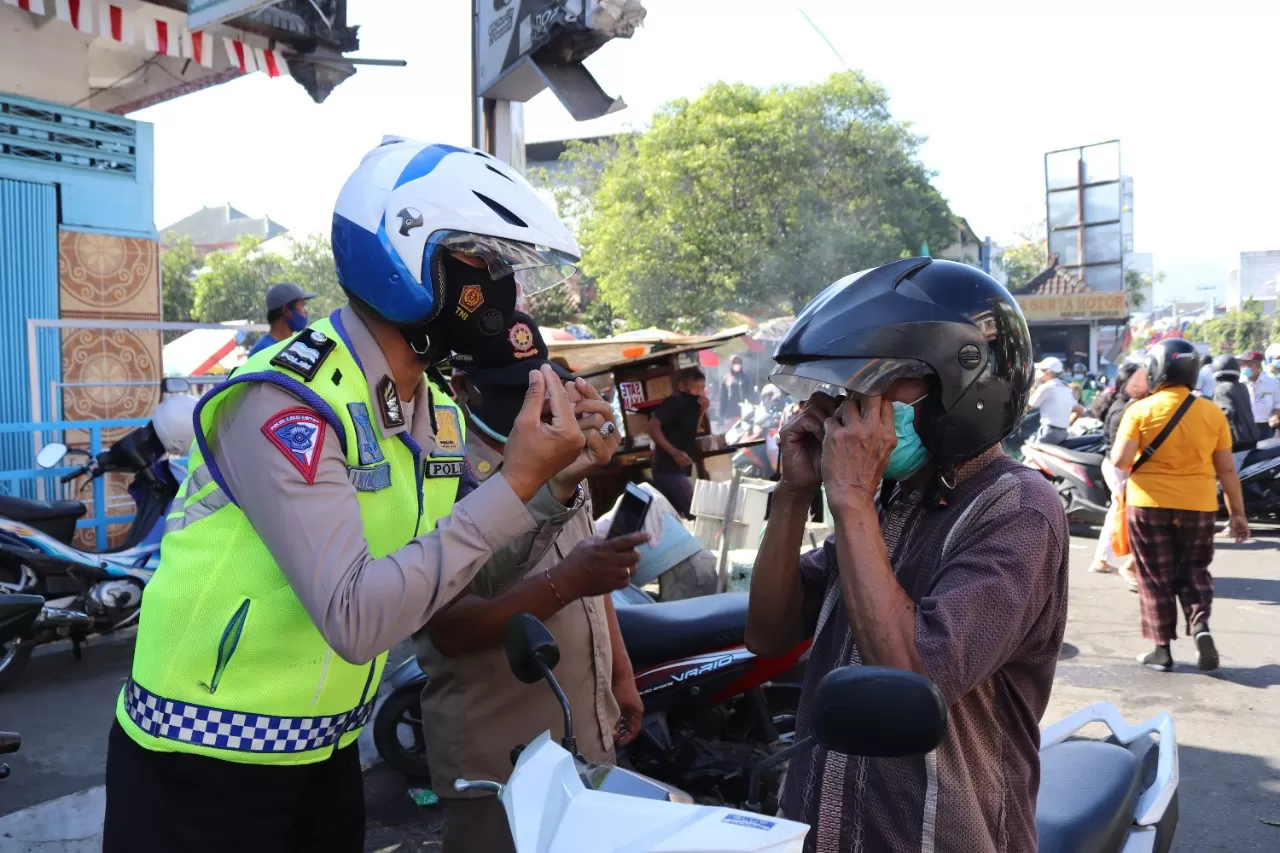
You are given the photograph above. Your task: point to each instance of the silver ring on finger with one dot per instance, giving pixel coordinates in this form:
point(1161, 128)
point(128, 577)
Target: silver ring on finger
point(608, 429)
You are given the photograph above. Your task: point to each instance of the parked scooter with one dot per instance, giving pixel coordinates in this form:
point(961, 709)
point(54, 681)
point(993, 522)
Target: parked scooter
point(17, 612)
point(92, 592)
point(557, 803)
point(713, 709)
point(1075, 469)
point(1259, 471)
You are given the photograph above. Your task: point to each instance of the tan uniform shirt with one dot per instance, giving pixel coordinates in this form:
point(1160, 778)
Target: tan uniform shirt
point(474, 710)
point(314, 532)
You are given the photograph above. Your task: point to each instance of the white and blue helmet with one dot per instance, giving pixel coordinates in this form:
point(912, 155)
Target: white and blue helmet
point(409, 203)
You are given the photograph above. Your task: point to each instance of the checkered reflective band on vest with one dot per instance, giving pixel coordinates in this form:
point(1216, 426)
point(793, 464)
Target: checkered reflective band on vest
point(237, 731)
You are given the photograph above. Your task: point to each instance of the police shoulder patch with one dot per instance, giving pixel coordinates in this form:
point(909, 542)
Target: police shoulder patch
point(298, 433)
point(305, 353)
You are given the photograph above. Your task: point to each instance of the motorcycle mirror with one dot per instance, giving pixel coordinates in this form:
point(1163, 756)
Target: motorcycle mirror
point(174, 385)
point(530, 648)
point(879, 712)
point(50, 455)
point(17, 612)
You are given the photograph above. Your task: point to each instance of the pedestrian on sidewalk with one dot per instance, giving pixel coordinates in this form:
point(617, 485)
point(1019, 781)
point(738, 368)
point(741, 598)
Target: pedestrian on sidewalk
point(1173, 445)
point(1131, 384)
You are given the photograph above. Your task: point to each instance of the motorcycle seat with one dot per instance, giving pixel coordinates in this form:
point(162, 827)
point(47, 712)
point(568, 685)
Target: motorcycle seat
point(668, 631)
point(1087, 794)
point(1080, 458)
point(53, 518)
point(1262, 454)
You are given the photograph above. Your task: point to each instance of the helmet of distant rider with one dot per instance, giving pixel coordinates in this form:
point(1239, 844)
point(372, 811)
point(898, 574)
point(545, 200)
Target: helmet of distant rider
point(1226, 367)
point(412, 210)
point(1173, 361)
point(949, 323)
point(174, 424)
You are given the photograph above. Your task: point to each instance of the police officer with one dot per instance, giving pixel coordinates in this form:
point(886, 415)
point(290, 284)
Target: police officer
point(318, 527)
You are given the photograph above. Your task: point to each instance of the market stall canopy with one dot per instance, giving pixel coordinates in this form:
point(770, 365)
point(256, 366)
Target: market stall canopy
point(600, 356)
point(204, 351)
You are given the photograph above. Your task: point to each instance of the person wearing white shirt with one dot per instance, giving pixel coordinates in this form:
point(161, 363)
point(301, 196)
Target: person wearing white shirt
point(1264, 391)
point(1054, 400)
point(1206, 383)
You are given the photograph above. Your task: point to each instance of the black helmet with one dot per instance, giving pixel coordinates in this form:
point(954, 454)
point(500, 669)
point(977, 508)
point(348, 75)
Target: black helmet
point(1173, 361)
point(1226, 367)
point(918, 318)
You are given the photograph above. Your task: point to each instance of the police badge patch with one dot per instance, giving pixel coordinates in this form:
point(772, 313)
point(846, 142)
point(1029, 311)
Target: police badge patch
point(448, 434)
point(305, 354)
point(299, 435)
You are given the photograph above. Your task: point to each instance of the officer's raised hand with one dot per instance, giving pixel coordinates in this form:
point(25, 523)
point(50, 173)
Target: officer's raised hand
point(540, 447)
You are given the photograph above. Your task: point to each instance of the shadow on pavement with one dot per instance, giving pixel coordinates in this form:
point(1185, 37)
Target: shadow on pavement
point(1265, 590)
point(391, 817)
point(1267, 675)
point(1224, 797)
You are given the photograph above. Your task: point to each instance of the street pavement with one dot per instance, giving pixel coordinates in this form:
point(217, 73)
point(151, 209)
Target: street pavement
point(1227, 721)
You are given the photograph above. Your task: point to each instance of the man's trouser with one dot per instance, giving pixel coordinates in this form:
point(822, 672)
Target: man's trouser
point(677, 489)
point(169, 802)
point(1051, 434)
point(476, 826)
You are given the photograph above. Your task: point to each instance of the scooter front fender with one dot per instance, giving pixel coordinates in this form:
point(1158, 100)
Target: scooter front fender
point(406, 673)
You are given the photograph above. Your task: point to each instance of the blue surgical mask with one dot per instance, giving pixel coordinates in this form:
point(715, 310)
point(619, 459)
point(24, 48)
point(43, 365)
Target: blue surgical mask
point(910, 455)
point(1246, 372)
point(296, 321)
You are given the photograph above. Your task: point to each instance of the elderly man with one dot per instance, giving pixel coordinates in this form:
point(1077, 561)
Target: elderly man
point(474, 710)
point(1264, 391)
point(948, 558)
point(1055, 400)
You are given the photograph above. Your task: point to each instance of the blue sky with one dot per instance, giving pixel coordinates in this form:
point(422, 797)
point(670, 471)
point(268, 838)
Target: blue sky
point(1191, 96)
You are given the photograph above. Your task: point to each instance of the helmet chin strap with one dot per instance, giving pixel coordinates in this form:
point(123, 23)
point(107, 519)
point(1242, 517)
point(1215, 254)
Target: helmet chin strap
point(419, 341)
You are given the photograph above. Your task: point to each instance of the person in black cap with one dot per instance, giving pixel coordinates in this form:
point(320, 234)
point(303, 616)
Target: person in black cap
point(473, 706)
point(286, 313)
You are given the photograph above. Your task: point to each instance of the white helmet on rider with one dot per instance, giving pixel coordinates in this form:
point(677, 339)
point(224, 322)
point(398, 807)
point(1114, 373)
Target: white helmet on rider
point(415, 217)
point(173, 421)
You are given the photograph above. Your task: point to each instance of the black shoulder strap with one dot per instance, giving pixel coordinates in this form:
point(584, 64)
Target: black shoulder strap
point(1150, 449)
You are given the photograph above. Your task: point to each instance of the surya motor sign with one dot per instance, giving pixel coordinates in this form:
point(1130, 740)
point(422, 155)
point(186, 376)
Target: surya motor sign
point(1076, 306)
point(202, 13)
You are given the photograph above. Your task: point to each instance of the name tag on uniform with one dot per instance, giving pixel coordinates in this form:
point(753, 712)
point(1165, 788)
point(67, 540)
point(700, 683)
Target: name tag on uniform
point(437, 468)
point(373, 479)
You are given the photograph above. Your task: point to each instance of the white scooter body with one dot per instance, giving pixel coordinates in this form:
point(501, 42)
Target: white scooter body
point(550, 810)
point(1154, 801)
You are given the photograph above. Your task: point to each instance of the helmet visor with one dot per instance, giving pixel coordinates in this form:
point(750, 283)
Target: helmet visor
point(535, 268)
point(843, 377)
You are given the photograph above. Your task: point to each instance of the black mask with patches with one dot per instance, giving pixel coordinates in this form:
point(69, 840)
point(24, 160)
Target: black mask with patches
point(476, 309)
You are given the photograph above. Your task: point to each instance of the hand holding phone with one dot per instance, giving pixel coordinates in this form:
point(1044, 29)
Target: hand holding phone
point(631, 512)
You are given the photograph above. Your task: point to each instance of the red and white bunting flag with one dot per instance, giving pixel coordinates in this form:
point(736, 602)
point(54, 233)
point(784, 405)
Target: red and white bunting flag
point(198, 46)
point(77, 13)
point(241, 56)
point(163, 37)
point(116, 23)
point(36, 7)
point(272, 62)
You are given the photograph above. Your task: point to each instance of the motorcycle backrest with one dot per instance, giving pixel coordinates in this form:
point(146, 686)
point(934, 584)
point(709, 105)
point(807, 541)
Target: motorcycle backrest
point(528, 643)
point(877, 711)
point(17, 612)
point(50, 455)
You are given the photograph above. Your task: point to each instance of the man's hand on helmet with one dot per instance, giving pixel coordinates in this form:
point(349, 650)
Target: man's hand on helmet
point(858, 439)
point(800, 444)
point(537, 450)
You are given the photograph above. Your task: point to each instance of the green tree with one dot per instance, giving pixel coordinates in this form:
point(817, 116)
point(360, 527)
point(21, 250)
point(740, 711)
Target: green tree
point(310, 266)
point(749, 199)
point(179, 262)
point(1237, 331)
point(233, 285)
point(554, 307)
point(1135, 283)
point(1025, 260)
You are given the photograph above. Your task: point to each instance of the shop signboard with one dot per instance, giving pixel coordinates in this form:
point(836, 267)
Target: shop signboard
point(1075, 306)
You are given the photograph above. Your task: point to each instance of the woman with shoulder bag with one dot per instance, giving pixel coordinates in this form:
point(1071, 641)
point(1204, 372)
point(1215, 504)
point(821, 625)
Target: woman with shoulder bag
point(1174, 445)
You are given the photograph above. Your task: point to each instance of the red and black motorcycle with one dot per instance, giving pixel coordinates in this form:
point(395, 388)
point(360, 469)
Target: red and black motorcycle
point(713, 710)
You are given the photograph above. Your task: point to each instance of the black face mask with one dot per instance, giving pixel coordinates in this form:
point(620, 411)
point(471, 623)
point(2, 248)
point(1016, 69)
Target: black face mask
point(476, 308)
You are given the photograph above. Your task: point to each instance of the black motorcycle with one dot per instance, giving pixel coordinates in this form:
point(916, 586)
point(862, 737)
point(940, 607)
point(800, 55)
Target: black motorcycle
point(17, 613)
point(713, 710)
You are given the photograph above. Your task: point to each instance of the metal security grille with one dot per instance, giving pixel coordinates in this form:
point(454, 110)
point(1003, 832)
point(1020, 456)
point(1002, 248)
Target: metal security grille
point(41, 132)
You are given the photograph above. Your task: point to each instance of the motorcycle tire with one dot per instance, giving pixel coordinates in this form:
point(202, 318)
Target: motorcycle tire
point(13, 659)
point(400, 714)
